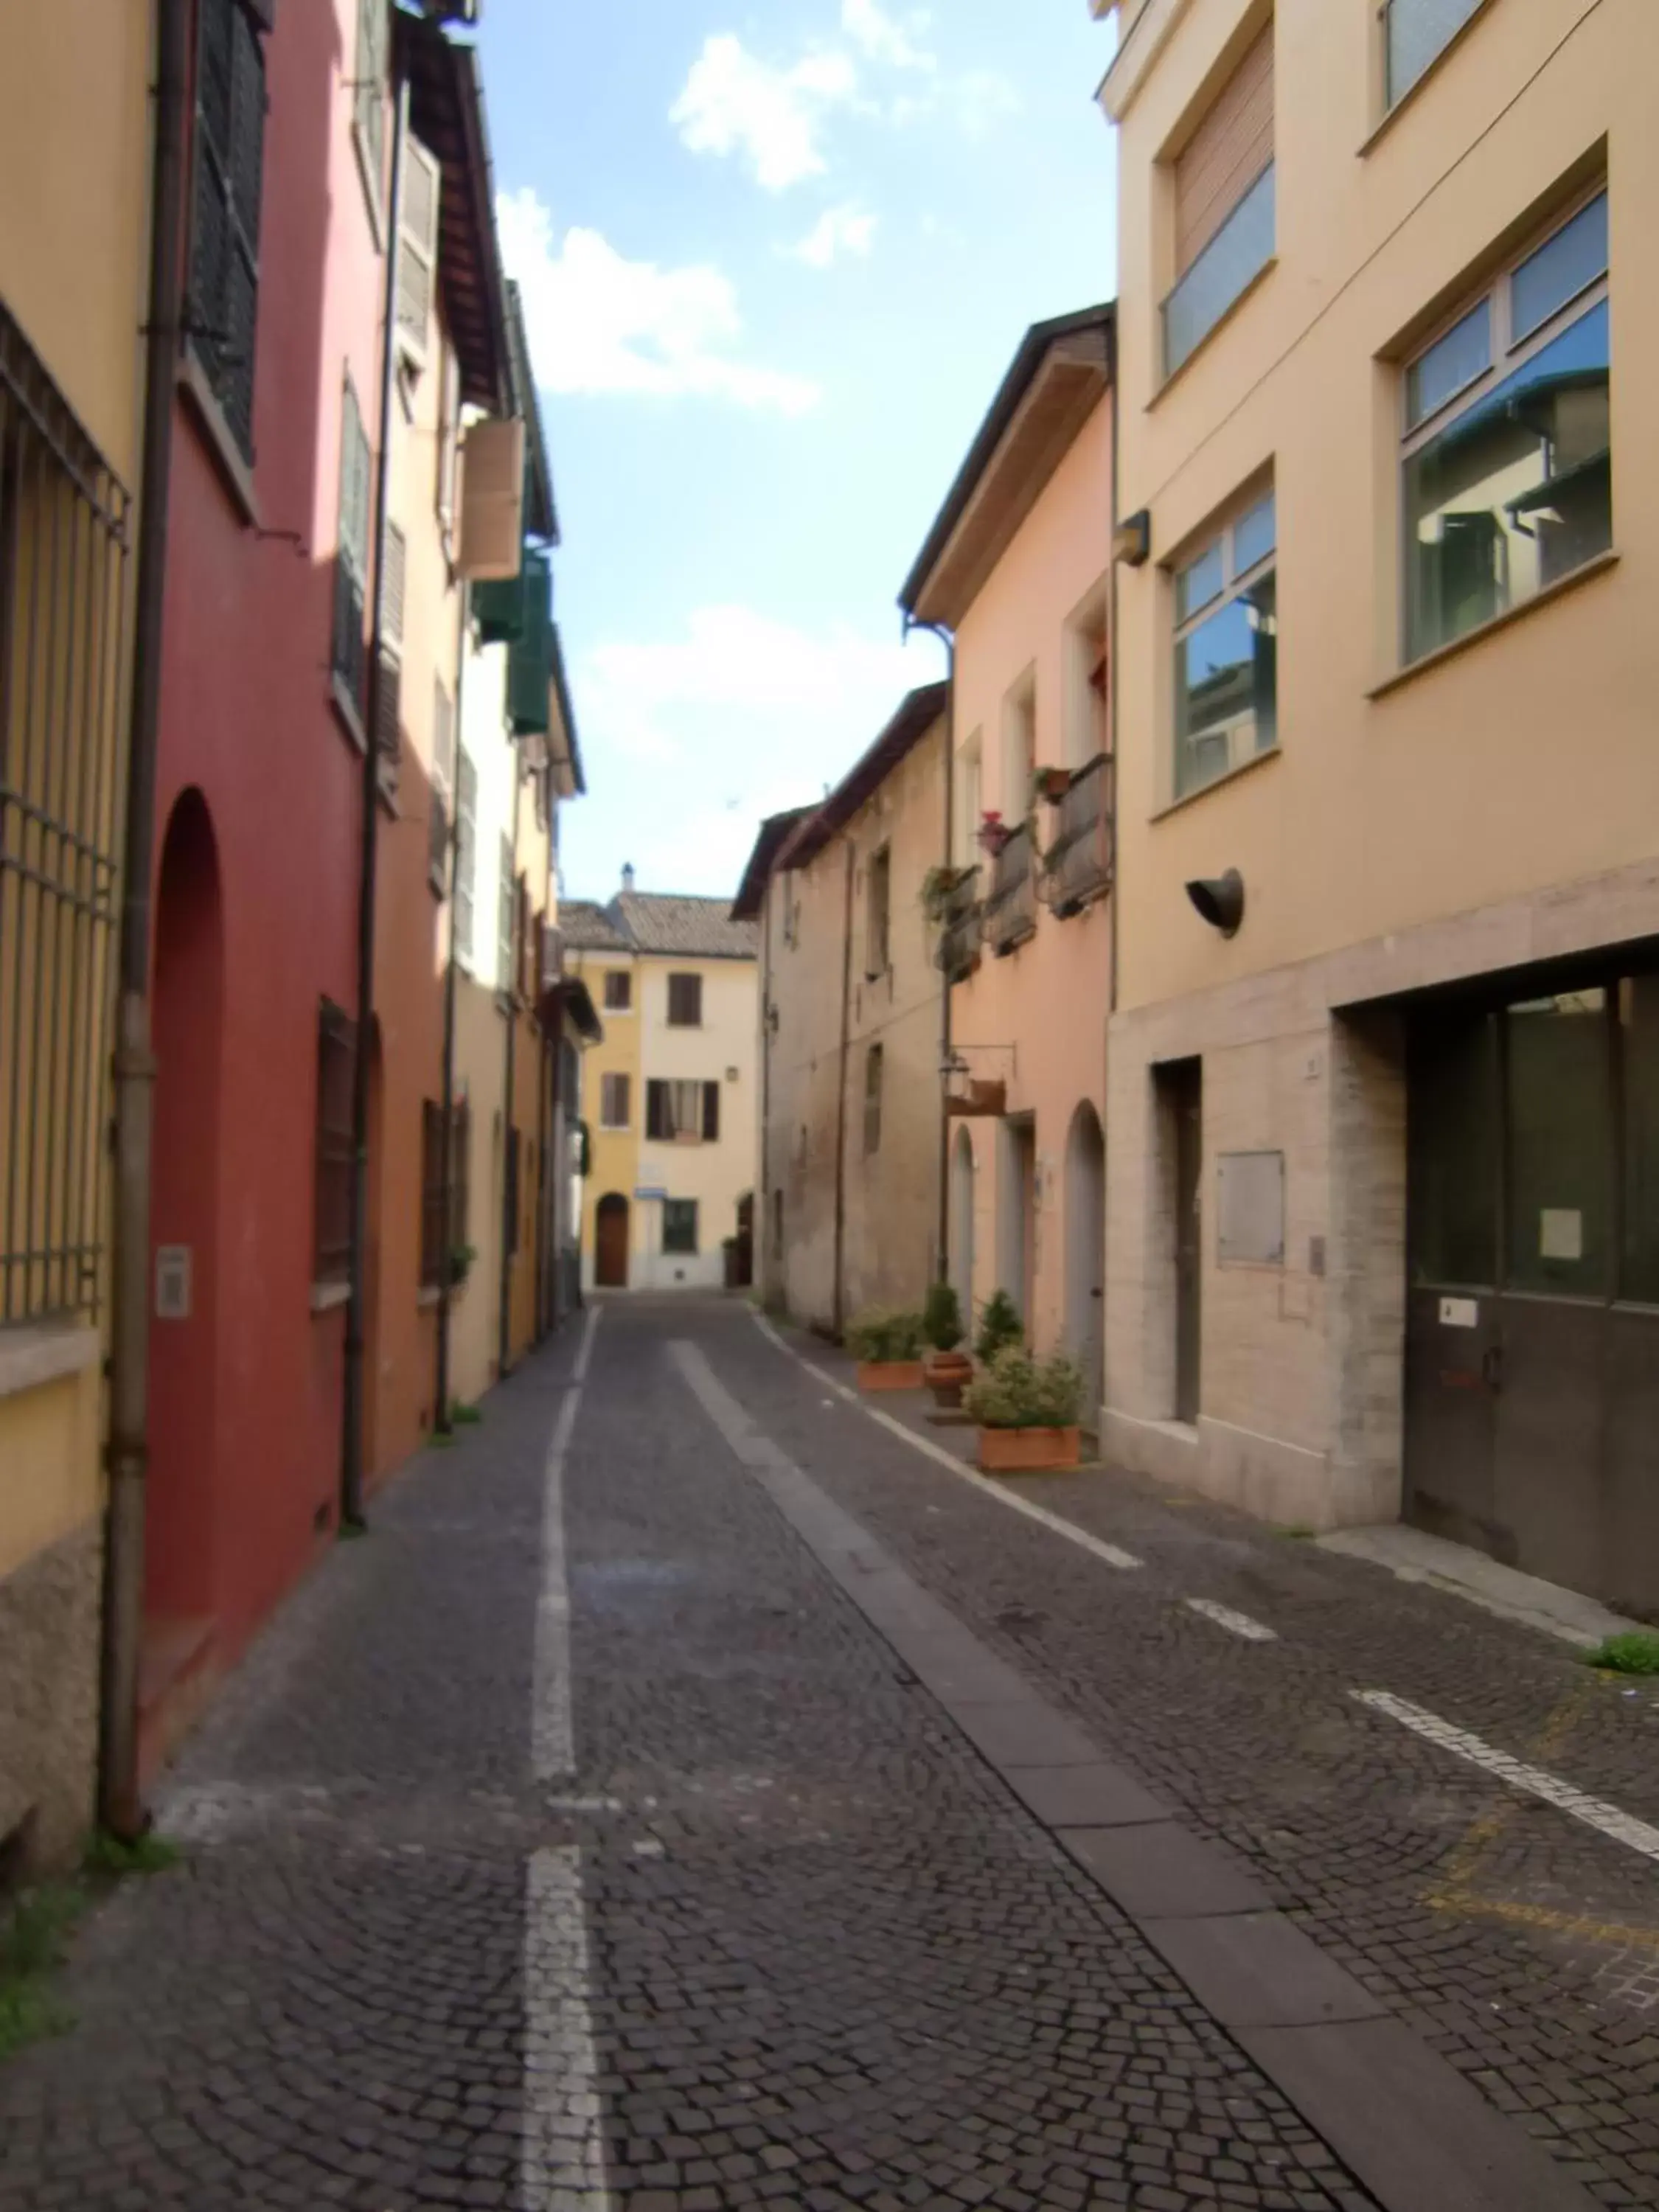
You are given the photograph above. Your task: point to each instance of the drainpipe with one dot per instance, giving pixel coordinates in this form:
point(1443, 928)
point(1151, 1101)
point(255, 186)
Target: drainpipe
point(120, 1807)
point(839, 1313)
point(440, 1420)
point(947, 638)
point(763, 1232)
point(510, 1196)
point(351, 1457)
point(1111, 684)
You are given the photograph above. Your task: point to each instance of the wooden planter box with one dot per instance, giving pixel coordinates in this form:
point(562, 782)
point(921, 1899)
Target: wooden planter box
point(947, 1375)
point(1027, 1451)
point(889, 1374)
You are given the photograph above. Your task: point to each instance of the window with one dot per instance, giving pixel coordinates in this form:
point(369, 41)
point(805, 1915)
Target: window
point(618, 991)
point(1413, 32)
point(1019, 757)
point(877, 955)
point(368, 97)
point(1226, 677)
point(872, 1068)
point(432, 1196)
point(968, 800)
point(682, 1112)
point(349, 659)
point(418, 254)
point(614, 1102)
point(1223, 205)
point(466, 850)
point(679, 1225)
point(460, 1176)
point(437, 857)
point(1086, 694)
point(224, 251)
point(388, 695)
point(1507, 456)
point(449, 440)
point(506, 906)
point(685, 1002)
point(337, 1048)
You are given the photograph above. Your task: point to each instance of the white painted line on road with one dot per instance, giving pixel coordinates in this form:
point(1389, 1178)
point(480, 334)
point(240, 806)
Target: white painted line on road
point(1237, 1623)
point(561, 2159)
point(585, 1350)
point(1112, 1554)
point(552, 1754)
point(1622, 1827)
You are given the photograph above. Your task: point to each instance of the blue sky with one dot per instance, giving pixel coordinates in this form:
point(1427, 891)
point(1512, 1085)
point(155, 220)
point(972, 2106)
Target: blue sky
point(775, 263)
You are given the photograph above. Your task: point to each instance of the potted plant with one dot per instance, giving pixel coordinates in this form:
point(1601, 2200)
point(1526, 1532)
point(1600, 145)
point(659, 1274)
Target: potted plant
point(994, 832)
point(1052, 784)
point(948, 1369)
point(887, 1344)
point(939, 887)
point(1027, 1410)
point(460, 1265)
point(1000, 1326)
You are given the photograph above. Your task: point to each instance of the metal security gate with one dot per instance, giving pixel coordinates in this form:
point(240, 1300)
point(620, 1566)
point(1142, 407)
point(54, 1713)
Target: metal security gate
point(1532, 1368)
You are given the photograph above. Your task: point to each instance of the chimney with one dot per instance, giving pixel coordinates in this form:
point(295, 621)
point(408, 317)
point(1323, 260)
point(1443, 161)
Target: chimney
point(628, 876)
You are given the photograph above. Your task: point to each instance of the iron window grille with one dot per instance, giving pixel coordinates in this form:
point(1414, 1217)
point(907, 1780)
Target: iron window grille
point(1079, 863)
point(224, 255)
point(337, 1048)
point(65, 519)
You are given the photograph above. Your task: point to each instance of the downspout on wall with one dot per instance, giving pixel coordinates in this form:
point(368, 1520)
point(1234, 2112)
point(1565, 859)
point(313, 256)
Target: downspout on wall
point(352, 1458)
point(839, 1298)
point(941, 1270)
point(120, 1807)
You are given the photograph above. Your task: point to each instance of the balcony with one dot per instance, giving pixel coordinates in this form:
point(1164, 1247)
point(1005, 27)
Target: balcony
point(1079, 863)
point(959, 940)
point(1009, 914)
point(1234, 257)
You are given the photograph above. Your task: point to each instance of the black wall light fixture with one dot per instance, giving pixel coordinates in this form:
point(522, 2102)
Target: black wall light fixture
point(1219, 900)
point(1132, 541)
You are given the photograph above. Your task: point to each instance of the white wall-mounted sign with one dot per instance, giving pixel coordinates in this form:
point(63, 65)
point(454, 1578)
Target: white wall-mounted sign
point(1560, 1233)
point(173, 1282)
point(1459, 1313)
point(1250, 1213)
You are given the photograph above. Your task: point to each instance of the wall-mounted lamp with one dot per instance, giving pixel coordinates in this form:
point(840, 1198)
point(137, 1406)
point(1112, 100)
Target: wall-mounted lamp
point(1219, 900)
point(1132, 541)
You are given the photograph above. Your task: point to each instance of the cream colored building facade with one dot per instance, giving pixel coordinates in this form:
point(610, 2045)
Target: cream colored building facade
point(686, 1127)
point(851, 1014)
point(75, 171)
point(1018, 567)
point(1382, 1159)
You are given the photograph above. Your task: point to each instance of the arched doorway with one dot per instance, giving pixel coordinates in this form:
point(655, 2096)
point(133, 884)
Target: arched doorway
point(962, 1224)
point(611, 1244)
point(187, 1028)
point(1085, 1250)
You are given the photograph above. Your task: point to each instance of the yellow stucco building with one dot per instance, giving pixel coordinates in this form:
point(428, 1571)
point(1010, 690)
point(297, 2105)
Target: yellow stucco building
point(1383, 1095)
point(668, 1096)
point(74, 170)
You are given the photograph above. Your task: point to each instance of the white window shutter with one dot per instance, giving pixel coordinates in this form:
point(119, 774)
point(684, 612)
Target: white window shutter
point(492, 501)
point(417, 246)
point(394, 564)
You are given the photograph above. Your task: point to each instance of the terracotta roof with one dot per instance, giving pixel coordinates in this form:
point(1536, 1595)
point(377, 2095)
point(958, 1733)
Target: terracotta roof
point(701, 928)
point(589, 928)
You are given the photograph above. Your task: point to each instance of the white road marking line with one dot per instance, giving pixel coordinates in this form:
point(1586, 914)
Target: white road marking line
point(1237, 1623)
point(585, 1350)
point(1112, 1554)
point(552, 1755)
point(1622, 1827)
point(561, 2159)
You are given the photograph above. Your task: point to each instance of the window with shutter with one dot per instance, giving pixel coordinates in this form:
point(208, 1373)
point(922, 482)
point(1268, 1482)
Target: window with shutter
point(368, 98)
point(614, 1102)
point(679, 1225)
point(492, 500)
point(656, 1111)
point(711, 1113)
point(1223, 204)
point(685, 1002)
point(349, 657)
point(618, 991)
point(877, 956)
point(438, 849)
point(228, 156)
point(418, 248)
point(466, 856)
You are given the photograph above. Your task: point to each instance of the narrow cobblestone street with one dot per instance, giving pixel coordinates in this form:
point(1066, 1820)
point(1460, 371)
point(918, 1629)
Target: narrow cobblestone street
point(695, 1793)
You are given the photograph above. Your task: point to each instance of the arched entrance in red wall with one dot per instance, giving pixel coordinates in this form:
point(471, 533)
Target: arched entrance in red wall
point(611, 1242)
point(188, 1028)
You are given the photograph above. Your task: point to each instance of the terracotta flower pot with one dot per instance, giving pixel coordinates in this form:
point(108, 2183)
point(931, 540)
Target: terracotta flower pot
point(1027, 1451)
point(1054, 783)
point(889, 1374)
point(948, 1375)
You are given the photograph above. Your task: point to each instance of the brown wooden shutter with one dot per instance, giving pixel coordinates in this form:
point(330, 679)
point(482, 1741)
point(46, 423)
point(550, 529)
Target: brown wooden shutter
point(1226, 154)
point(656, 1109)
point(711, 1113)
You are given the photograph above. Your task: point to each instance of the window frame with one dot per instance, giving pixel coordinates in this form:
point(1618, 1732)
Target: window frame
point(684, 976)
point(216, 168)
point(874, 1071)
point(879, 913)
point(1389, 102)
point(1220, 533)
point(1506, 355)
point(685, 1207)
point(624, 1004)
point(607, 1120)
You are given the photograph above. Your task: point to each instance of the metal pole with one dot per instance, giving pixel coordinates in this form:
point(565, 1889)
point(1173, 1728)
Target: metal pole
point(351, 1461)
point(120, 1805)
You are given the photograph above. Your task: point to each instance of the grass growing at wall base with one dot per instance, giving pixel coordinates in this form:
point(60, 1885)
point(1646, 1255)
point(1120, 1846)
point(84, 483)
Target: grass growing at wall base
point(1635, 1652)
point(36, 1925)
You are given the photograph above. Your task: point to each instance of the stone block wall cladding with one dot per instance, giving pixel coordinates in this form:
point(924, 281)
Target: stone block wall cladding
point(49, 1712)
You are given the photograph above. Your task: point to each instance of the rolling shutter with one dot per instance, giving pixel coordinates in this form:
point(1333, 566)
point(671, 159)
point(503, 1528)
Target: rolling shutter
point(1225, 155)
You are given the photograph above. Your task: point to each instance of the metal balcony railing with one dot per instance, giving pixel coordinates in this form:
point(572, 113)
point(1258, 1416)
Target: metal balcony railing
point(1079, 863)
point(959, 938)
point(1011, 905)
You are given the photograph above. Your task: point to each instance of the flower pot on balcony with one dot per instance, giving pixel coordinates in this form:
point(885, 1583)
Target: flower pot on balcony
point(948, 1375)
point(993, 834)
point(1027, 1451)
point(877, 1375)
point(1053, 784)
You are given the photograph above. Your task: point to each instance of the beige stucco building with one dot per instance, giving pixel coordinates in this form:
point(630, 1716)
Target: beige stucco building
point(1384, 1160)
point(668, 1097)
point(1018, 567)
point(851, 1015)
point(75, 171)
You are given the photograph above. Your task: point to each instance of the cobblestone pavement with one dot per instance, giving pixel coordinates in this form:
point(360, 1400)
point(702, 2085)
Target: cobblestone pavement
point(1520, 1943)
point(781, 1936)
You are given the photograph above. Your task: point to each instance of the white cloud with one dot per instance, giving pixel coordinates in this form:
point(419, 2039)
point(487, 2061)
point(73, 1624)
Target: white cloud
point(600, 323)
point(848, 230)
point(982, 99)
point(738, 716)
point(735, 103)
point(884, 38)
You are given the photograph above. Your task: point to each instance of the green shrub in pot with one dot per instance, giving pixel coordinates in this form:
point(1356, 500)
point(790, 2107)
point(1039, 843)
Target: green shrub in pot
point(882, 1335)
point(1019, 1392)
point(999, 1325)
